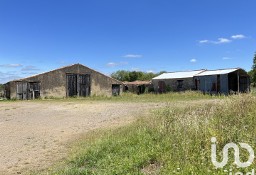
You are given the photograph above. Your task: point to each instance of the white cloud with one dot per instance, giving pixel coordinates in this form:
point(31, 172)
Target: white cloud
point(8, 76)
point(226, 58)
point(204, 41)
point(223, 40)
point(240, 36)
point(132, 56)
point(111, 64)
point(11, 65)
point(30, 68)
point(193, 60)
point(114, 64)
point(219, 41)
point(150, 71)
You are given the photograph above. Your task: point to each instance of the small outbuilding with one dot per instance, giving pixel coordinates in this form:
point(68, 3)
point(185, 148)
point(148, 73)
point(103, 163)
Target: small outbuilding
point(74, 80)
point(223, 81)
point(138, 87)
point(175, 81)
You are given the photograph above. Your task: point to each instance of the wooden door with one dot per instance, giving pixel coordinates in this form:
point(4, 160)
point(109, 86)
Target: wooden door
point(72, 85)
point(84, 85)
point(22, 90)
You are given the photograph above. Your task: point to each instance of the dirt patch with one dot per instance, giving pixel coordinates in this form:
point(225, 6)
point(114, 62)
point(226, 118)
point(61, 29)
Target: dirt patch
point(34, 134)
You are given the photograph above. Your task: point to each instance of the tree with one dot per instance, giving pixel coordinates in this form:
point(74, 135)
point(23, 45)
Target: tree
point(130, 76)
point(1, 87)
point(252, 73)
point(121, 75)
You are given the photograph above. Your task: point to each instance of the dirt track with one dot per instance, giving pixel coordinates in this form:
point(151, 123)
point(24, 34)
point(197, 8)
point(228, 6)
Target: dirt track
point(34, 134)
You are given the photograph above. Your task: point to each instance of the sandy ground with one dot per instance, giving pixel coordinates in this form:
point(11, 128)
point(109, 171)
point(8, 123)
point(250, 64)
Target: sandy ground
point(34, 134)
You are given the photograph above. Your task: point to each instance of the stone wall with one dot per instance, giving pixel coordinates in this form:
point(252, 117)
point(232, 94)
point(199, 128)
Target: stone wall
point(174, 85)
point(54, 83)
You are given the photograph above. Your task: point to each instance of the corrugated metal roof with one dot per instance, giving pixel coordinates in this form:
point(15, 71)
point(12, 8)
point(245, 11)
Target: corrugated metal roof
point(178, 75)
point(217, 72)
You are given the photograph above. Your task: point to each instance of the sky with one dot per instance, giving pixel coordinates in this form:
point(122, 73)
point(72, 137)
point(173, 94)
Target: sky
point(136, 35)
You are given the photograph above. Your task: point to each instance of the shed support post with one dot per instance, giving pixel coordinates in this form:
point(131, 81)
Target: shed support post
point(248, 85)
point(78, 84)
point(238, 82)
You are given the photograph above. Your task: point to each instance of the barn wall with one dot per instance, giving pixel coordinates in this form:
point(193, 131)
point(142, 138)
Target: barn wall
point(224, 84)
point(188, 84)
point(54, 83)
point(11, 90)
point(206, 83)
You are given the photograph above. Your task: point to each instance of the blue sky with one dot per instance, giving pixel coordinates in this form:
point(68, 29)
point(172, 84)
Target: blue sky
point(109, 35)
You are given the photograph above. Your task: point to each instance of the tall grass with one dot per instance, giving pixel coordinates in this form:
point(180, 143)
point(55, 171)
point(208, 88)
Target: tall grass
point(173, 140)
point(131, 97)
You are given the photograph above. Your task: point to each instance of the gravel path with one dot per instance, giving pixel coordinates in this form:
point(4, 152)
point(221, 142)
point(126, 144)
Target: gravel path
point(34, 134)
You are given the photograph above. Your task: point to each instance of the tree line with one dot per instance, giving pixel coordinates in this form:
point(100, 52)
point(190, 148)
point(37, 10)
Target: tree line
point(123, 75)
point(252, 72)
point(1, 87)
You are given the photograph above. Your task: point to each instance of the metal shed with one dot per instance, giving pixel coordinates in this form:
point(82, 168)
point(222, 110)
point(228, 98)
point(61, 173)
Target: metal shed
point(175, 81)
point(223, 81)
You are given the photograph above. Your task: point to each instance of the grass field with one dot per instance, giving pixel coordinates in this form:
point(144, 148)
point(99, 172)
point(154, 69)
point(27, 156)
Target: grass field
point(171, 140)
point(130, 97)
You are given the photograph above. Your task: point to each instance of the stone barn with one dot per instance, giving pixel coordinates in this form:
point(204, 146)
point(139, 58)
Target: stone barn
point(71, 81)
point(175, 81)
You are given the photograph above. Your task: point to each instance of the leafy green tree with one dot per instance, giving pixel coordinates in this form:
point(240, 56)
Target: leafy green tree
point(1, 87)
point(252, 73)
point(121, 75)
point(130, 76)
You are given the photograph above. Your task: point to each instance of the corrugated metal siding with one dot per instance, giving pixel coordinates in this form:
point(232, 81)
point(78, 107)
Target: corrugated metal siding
point(209, 80)
point(224, 84)
point(206, 83)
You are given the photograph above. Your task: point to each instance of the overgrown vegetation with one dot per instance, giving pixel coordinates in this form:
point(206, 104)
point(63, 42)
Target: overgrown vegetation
point(252, 73)
point(1, 87)
point(123, 75)
point(147, 97)
point(1, 91)
point(173, 140)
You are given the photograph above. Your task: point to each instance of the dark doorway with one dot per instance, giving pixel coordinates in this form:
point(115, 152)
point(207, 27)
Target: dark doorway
point(28, 90)
point(180, 85)
point(233, 82)
point(238, 81)
point(115, 89)
point(72, 85)
point(78, 85)
point(141, 89)
point(34, 90)
point(244, 81)
point(84, 82)
point(196, 84)
point(218, 83)
point(161, 87)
